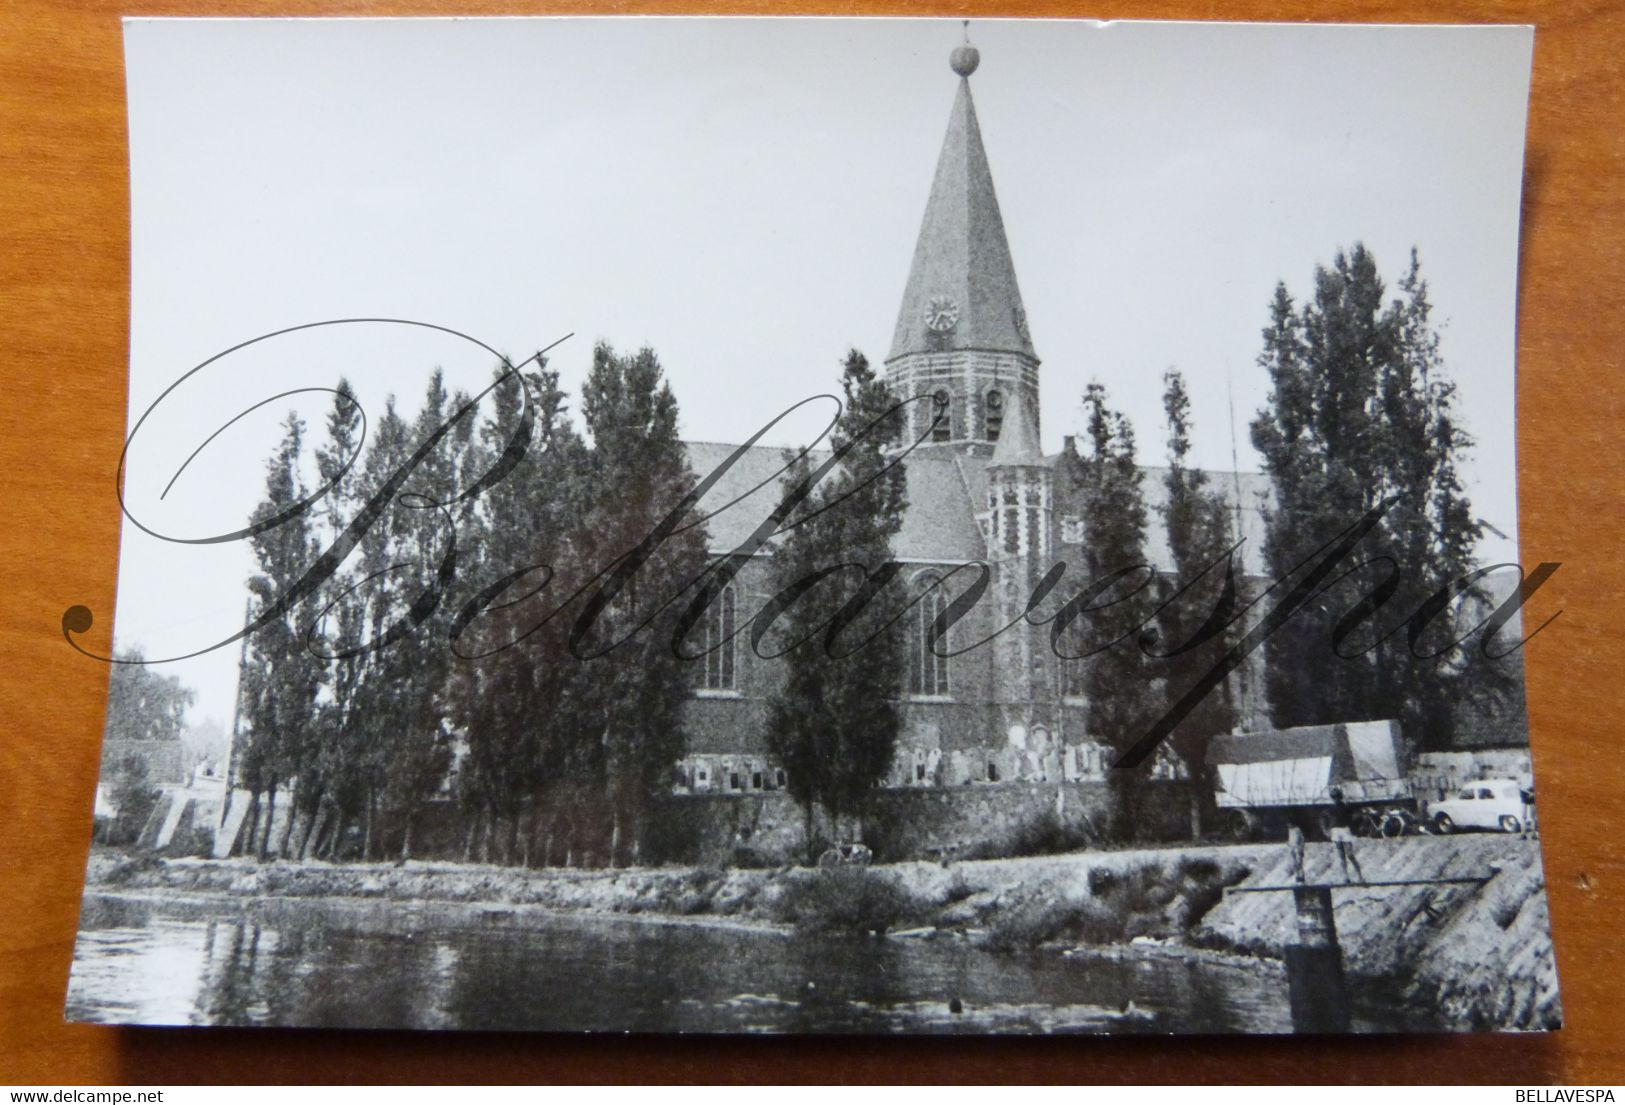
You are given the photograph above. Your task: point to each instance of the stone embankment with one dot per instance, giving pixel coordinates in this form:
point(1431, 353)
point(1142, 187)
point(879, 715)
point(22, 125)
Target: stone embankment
point(1096, 897)
point(1472, 955)
point(1467, 955)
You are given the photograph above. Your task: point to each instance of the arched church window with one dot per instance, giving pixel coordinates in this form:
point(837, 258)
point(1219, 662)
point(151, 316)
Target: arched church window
point(721, 662)
point(995, 414)
point(928, 667)
point(942, 422)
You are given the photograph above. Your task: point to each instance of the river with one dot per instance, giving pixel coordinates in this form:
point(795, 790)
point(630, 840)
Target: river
point(409, 965)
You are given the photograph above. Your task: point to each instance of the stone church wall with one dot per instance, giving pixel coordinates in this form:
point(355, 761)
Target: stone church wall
point(919, 823)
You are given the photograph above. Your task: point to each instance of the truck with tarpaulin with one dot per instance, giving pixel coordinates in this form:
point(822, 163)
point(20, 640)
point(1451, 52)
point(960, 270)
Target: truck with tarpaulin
point(1318, 777)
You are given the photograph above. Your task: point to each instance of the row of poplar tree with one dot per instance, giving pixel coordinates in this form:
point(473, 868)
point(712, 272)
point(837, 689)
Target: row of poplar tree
point(1362, 412)
point(436, 623)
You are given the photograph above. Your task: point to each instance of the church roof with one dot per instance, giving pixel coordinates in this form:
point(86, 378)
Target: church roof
point(1018, 443)
point(946, 490)
point(939, 525)
point(1246, 493)
point(962, 267)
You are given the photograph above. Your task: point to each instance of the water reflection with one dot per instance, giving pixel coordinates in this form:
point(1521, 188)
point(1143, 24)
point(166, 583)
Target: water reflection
point(436, 966)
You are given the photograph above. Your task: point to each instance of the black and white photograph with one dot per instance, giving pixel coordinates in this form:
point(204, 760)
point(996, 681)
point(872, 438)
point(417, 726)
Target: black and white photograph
point(722, 525)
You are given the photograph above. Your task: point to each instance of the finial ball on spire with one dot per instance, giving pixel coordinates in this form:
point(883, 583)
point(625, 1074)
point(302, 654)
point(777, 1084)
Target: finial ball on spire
point(964, 59)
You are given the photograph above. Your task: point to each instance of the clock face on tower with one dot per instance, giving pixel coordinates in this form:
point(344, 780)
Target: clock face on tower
point(941, 314)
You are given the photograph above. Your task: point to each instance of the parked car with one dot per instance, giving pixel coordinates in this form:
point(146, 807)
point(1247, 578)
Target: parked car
point(1486, 804)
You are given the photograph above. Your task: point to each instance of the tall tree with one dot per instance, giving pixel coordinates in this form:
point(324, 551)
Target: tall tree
point(282, 675)
point(1203, 593)
point(421, 527)
point(1117, 677)
point(1362, 409)
point(835, 722)
point(329, 790)
point(510, 689)
point(630, 713)
point(370, 603)
point(387, 610)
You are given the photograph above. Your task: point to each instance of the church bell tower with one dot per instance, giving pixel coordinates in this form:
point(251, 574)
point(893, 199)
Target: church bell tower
point(1020, 512)
point(963, 354)
point(961, 349)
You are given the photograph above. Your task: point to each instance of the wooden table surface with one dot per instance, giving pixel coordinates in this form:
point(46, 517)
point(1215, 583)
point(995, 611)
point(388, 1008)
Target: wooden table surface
point(64, 313)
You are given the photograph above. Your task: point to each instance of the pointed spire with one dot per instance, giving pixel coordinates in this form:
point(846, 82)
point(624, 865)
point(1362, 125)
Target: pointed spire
point(961, 291)
point(1018, 443)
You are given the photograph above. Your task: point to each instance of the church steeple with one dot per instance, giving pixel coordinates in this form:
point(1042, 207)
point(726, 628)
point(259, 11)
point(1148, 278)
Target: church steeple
point(961, 333)
point(961, 291)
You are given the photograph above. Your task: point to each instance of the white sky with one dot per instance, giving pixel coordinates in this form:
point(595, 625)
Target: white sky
point(743, 195)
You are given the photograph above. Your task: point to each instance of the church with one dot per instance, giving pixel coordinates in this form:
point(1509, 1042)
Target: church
point(981, 490)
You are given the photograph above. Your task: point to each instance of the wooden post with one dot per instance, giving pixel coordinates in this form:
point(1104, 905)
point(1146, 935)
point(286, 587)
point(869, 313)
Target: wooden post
point(1314, 966)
